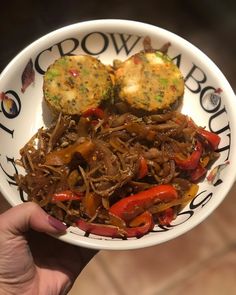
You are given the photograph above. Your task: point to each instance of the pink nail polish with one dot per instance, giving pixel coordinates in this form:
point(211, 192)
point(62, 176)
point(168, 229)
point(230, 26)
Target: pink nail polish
point(57, 224)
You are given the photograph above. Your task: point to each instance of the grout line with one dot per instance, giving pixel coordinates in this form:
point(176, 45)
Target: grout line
point(110, 276)
point(189, 271)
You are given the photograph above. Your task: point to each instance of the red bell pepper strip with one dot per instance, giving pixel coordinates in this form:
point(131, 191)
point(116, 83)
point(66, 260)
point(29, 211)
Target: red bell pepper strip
point(143, 168)
point(144, 224)
point(131, 206)
point(166, 217)
point(94, 112)
point(140, 225)
point(192, 161)
point(212, 138)
point(197, 173)
point(99, 229)
point(66, 195)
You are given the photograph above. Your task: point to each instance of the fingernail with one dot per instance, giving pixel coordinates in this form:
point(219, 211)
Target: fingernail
point(57, 224)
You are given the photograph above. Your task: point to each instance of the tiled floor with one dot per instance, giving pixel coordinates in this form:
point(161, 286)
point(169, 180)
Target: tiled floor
point(203, 261)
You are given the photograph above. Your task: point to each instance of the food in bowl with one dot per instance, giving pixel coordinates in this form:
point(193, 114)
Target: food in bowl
point(108, 170)
point(73, 84)
point(150, 81)
point(208, 100)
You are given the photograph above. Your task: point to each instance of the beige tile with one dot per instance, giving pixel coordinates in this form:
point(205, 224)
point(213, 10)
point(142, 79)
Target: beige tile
point(148, 271)
point(216, 276)
point(95, 279)
point(224, 216)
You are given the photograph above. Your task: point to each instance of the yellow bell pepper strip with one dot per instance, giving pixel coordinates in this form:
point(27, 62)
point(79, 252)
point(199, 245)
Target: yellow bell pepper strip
point(212, 138)
point(91, 202)
point(116, 221)
point(192, 161)
point(64, 156)
point(131, 206)
point(140, 226)
point(66, 195)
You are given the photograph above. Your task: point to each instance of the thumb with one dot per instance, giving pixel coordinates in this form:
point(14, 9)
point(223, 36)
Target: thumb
point(21, 218)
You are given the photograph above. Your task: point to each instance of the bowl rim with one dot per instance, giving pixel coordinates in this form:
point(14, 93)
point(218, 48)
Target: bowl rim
point(133, 25)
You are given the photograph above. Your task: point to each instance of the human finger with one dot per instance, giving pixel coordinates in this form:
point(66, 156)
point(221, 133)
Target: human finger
point(21, 218)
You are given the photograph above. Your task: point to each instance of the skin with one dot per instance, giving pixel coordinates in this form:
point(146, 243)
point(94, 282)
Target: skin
point(32, 261)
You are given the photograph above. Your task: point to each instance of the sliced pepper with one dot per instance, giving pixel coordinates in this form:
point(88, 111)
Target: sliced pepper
point(99, 229)
point(91, 202)
point(166, 217)
point(131, 206)
point(94, 112)
point(187, 197)
point(143, 167)
point(212, 138)
point(197, 173)
point(192, 161)
point(64, 156)
point(66, 195)
point(142, 224)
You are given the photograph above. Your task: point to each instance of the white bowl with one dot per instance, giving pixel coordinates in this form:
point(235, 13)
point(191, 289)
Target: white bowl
point(208, 99)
